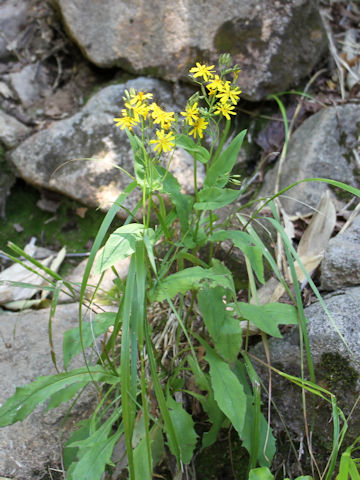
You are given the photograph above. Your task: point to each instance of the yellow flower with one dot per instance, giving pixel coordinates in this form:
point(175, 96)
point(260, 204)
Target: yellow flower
point(227, 93)
point(191, 113)
point(202, 71)
point(164, 142)
point(161, 116)
point(225, 109)
point(125, 122)
point(138, 109)
point(211, 91)
point(215, 84)
point(141, 97)
point(198, 127)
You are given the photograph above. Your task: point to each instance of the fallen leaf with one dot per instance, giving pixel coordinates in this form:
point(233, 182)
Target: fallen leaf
point(310, 250)
point(10, 294)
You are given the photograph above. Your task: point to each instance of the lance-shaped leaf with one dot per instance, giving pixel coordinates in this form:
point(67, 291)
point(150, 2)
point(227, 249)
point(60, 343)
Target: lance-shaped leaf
point(189, 279)
point(213, 197)
point(184, 429)
point(224, 329)
point(120, 245)
point(219, 172)
point(25, 399)
point(197, 151)
point(269, 316)
point(94, 451)
point(243, 241)
point(228, 391)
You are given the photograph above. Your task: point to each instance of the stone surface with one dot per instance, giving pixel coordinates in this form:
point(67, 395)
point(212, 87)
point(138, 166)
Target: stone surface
point(323, 146)
point(29, 448)
point(275, 43)
point(107, 281)
point(11, 130)
point(344, 308)
point(330, 357)
point(341, 263)
point(13, 19)
point(59, 158)
point(30, 83)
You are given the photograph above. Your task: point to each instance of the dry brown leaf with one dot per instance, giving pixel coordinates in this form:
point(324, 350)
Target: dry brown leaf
point(10, 295)
point(310, 250)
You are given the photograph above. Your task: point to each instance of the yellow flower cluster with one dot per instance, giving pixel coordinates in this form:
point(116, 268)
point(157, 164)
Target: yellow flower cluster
point(227, 93)
point(220, 94)
point(137, 109)
point(193, 118)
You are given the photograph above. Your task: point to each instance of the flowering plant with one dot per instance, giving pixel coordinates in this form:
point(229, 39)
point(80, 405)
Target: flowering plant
point(173, 369)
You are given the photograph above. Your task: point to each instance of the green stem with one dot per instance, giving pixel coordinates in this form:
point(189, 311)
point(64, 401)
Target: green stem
point(211, 221)
point(222, 140)
point(195, 179)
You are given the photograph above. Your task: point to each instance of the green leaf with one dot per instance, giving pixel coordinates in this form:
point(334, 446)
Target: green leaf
point(65, 394)
point(193, 148)
point(92, 461)
point(181, 202)
point(184, 429)
point(148, 177)
point(157, 444)
point(243, 241)
point(90, 330)
point(189, 279)
point(256, 432)
point(267, 317)
point(141, 464)
point(219, 172)
point(120, 245)
point(139, 164)
point(263, 436)
point(262, 473)
point(25, 399)
point(212, 198)
point(70, 453)
point(224, 329)
point(307, 477)
point(216, 417)
point(228, 391)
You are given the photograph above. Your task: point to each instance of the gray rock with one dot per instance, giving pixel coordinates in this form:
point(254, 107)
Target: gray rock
point(275, 43)
point(323, 146)
point(59, 158)
point(11, 130)
point(323, 332)
point(30, 83)
point(341, 263)
point(335, 369)
point(13, 18)
point(344, 309)
point(29, 448)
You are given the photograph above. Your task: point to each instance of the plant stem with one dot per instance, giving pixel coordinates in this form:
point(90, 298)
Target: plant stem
point(222, 140)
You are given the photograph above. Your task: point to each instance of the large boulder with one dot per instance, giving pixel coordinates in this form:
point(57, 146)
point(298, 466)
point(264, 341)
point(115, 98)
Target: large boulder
point(79, 156)
point(325, 145)
point(341, 264)
point(335, 350)
point(13, 21)
point(11, 130)
point(30, 448)
point(275, 43)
